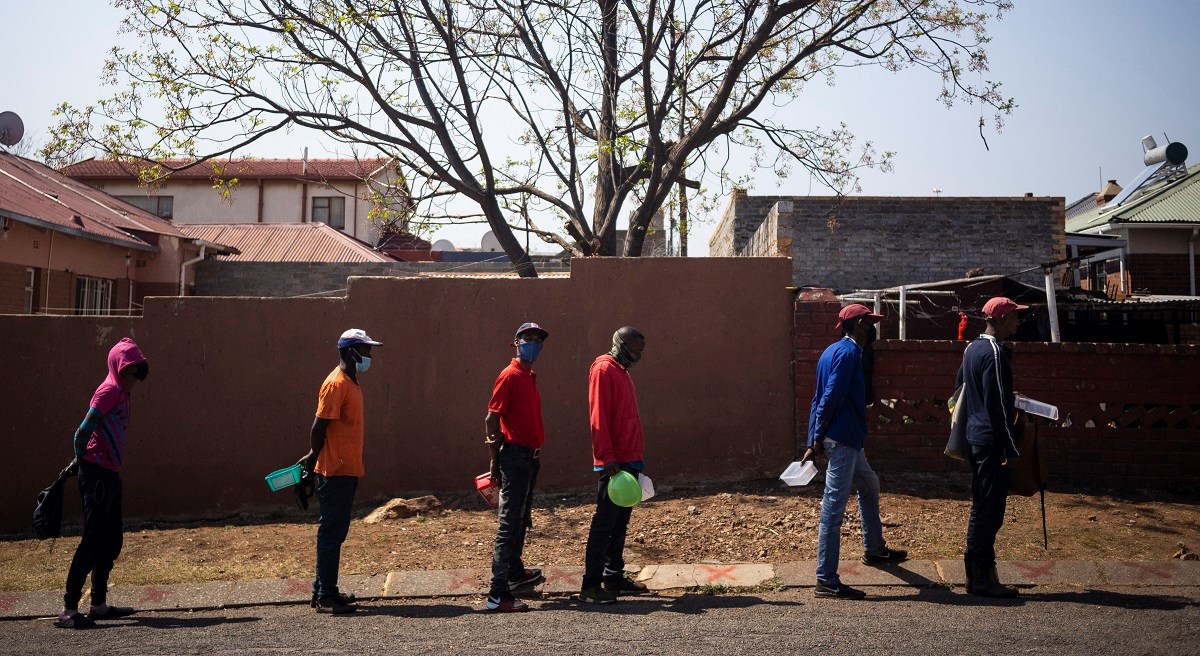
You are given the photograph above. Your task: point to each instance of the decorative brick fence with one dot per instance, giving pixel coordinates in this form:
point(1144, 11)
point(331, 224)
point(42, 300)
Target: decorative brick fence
point(1130, 413)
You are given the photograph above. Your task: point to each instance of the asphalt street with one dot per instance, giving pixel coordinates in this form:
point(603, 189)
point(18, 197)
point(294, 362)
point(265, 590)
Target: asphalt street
point(1058, 621)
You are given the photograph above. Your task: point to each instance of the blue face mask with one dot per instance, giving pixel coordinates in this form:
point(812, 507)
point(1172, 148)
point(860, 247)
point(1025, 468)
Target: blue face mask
point(363, 364)
point(529, 351)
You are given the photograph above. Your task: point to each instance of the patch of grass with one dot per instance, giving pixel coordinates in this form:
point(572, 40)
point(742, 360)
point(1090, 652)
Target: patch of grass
point(714, 589)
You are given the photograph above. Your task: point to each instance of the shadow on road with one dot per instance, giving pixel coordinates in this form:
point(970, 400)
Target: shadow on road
point(686, 604)
point(940, 594)
point(168, 622)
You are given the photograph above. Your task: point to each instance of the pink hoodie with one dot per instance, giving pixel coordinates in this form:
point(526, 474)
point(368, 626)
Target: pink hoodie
point(106, 446)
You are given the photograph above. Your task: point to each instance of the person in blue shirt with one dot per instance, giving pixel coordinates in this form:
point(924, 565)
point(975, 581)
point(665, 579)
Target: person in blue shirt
point(837, 424)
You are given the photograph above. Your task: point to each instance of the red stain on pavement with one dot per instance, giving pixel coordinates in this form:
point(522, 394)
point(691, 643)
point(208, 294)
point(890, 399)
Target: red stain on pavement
point(718, 573)
point(1035, 571)
point(460, 581)
point(1156, 570)
point(554, 574)
point(8, 602)
point(851, 569)
point(298, 586)
point(155, 595)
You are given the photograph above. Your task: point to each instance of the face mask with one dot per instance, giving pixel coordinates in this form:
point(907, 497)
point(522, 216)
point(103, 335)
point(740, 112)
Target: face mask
point(141, 370)
point(363, 364)
point(529, 351)
point(872, 333)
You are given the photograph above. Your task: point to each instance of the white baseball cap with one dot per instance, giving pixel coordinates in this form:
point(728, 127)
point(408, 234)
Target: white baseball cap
point(356, 336)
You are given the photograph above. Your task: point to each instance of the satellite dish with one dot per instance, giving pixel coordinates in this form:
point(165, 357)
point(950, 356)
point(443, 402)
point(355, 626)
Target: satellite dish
point(11, 128)
point(443, 245)
point(490, 244)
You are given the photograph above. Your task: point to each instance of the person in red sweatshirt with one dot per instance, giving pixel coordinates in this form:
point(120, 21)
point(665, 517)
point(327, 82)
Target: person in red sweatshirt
point(616, 445)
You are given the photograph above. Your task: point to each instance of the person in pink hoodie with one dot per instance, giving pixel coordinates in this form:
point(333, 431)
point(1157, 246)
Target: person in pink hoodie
point(99, 456)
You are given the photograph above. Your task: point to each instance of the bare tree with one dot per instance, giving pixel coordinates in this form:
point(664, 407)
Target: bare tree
point(545, 115)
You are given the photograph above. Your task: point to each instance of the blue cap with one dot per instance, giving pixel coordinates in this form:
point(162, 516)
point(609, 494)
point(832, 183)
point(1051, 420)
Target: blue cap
point(531, 327)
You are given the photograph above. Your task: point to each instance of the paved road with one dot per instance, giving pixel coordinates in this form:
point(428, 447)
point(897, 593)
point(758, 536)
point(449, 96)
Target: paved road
point(1056, 621)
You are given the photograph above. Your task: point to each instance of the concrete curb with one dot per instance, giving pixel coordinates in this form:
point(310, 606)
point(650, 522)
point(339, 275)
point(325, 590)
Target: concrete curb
point(566, 580)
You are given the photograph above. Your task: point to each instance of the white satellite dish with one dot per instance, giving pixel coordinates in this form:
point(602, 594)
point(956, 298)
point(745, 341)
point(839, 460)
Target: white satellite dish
point(443, 245)
point(11, 128)
point(490, 244)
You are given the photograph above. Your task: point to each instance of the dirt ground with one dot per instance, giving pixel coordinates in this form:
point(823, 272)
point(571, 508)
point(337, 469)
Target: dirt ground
point(757, 521)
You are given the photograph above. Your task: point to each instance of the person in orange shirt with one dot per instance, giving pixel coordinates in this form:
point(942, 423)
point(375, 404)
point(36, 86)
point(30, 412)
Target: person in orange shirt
point(335, 460)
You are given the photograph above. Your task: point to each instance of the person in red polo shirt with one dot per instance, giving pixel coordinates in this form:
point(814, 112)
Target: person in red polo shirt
point(515, 436)
point(617, 445)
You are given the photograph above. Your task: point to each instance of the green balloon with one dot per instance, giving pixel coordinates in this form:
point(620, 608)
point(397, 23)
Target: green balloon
point(624, 490)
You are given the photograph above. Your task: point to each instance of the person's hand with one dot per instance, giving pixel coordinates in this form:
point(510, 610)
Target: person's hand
point(72, 468)
point(308, 461)
point(611, 469)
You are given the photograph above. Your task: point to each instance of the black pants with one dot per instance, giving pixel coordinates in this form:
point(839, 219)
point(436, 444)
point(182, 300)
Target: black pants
point(605, 556)
point(336, 494)
point(518, 476)
point(103, 534)
point(989, 494)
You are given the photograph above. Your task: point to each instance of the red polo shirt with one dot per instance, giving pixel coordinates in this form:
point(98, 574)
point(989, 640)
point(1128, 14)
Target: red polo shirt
point(516, 399)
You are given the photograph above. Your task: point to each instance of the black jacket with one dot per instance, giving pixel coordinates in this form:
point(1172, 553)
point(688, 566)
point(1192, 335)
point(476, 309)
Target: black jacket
point(987, 398)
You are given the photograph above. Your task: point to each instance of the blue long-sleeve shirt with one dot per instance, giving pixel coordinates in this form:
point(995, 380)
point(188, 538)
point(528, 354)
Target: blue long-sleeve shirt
point(839, 407)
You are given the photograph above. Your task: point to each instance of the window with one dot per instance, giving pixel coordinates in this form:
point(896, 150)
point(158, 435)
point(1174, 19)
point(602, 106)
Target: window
point(93, 295)
point(30, 287)
point(161, 206)
point(330, 210)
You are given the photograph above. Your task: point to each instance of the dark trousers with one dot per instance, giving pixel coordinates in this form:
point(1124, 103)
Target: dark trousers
point(989, 493)
point(605, 556)
point(103, 534)
point(518, 476)
point(336, 494)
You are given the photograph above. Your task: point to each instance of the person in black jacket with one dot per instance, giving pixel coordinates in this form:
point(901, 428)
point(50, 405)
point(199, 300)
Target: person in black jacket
point(988, 410)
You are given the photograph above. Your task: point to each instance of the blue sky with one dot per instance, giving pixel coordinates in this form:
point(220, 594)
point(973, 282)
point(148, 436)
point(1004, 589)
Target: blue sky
point(1091, 78)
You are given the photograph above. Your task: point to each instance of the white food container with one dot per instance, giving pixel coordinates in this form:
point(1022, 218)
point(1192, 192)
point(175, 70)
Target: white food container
point(799, 473)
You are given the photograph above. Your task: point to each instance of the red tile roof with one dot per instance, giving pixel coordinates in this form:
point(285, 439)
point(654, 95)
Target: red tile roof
point(285, 242)
point(32, 192)
point(316, 169)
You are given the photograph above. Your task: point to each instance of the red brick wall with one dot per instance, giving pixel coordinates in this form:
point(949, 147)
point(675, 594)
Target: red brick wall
point(1159, 273)
point(1130, 414)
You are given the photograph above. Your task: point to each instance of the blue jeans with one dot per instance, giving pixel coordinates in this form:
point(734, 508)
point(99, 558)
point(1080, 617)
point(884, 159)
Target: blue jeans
point(518, 475)
point(848, 469)
point(336, 494)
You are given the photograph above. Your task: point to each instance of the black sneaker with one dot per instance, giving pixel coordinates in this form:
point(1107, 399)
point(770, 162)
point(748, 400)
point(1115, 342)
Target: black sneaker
point(334, 606)
point(885, 557)
point(841, 591)
point(624, 586)
point(597, 595)
point(529, 576)
point(346, 599)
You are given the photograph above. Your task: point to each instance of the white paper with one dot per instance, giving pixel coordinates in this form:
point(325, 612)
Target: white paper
point(1037, 407)
point(647, 486)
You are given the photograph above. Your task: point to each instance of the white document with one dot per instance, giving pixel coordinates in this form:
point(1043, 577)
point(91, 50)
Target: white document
point(647, 486)
point(1037, 408)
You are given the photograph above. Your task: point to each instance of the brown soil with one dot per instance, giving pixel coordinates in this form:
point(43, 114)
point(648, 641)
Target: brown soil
point(758, 521)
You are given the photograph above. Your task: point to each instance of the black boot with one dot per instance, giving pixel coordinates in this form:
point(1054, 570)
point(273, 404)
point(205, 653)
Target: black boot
point(982, 581)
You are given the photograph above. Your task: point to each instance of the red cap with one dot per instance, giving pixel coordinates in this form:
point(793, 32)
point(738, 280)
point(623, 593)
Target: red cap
point(1000, 306)
point(856, 311)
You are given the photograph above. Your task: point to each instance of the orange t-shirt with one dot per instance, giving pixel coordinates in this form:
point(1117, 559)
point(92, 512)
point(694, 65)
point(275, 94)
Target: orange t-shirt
point(341, 402)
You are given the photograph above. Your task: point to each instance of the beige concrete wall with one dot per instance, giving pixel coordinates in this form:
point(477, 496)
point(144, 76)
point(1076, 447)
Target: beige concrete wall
point(233, 382)
point(1159, 240)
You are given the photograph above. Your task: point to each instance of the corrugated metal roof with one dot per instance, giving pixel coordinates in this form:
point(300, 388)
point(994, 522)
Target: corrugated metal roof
point(316, 169)
point(286, 242)
point(33, 192)
point(1081, 206)
point(1175, 201)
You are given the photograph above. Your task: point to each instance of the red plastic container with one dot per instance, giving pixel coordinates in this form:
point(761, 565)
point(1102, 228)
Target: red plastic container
point(488, 489)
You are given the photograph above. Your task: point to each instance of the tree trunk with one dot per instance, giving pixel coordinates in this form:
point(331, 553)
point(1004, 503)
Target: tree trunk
point(607, 168)
point(508, 241)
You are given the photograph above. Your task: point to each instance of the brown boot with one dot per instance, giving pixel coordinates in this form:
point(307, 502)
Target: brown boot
point(984, 582)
